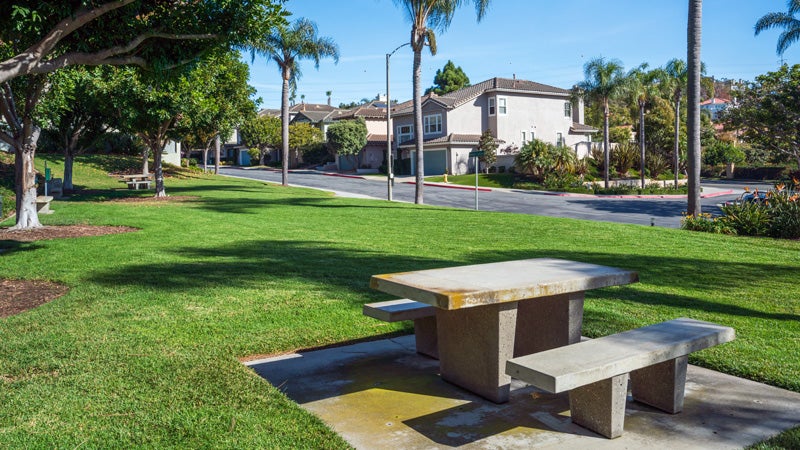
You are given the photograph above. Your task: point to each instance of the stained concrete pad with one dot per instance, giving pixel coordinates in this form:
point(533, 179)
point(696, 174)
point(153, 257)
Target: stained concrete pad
point(382, 394)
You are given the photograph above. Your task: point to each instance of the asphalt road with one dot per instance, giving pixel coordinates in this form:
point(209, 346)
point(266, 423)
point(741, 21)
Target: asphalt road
point(663, 212)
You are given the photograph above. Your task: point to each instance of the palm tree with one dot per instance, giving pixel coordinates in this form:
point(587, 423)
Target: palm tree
point(677, 77)
point(643, 87)
point(787, 21)
point(694, 32)
point(604, 81)
point(427, 17)
point(286, 46)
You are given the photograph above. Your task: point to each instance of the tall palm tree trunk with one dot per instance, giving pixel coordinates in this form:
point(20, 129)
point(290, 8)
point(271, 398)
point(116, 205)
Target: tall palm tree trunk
point(642, 104)
point(676, 150)
point(418, 132)
point(285, 127)
point(606, 144)
point(694, 33)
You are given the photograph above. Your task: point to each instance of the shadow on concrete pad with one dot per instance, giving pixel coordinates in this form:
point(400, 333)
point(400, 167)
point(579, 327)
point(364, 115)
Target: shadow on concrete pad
point(381, 394)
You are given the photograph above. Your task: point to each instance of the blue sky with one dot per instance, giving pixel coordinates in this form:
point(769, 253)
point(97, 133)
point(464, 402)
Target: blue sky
point(540, 40)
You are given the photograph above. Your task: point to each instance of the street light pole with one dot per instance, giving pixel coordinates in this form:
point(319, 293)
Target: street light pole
point(389, 172)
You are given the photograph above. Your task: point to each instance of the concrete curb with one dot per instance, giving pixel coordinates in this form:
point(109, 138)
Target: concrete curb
point(451, 186)
point(341, 175)
point(644, 196)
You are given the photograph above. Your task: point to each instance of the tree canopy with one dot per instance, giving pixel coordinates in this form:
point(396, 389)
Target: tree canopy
point(261, 134)
point(768, 113)
point(448, 79)
point(348, 138)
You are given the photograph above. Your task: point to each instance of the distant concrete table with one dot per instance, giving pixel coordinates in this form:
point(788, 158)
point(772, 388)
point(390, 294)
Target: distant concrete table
point(489, 313)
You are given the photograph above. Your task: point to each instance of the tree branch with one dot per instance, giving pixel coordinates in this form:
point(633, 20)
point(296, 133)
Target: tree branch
point(111, 55)
point(24, 62)
point(9, 109)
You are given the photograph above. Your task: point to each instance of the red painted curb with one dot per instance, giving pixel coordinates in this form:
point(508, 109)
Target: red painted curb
point(643, 196)
point(448, 186)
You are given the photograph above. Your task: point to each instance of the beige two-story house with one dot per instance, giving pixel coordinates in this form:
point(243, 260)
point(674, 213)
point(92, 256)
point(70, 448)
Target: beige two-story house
point(515, 111)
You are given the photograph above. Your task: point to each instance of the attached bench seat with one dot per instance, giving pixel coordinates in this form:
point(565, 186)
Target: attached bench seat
point(596, 372)
point(138, 184)
point(424, 317)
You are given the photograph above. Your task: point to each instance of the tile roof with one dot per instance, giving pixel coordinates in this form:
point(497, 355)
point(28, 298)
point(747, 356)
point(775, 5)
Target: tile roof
point(376, 139)
point(366, 111)
point(314, 116)
point(457, 98)
point(311, 107)
point(715, 101)
point(582, 128)
point(452, 138)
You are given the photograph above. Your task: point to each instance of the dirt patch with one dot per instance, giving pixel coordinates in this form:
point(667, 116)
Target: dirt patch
point(18, 296)
point(61, 231)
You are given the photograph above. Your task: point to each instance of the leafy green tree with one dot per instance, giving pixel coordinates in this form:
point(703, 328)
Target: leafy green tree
point(262, 134)
point(347, 138)
point(220, 100)
point(301, 136)
point(768, 112)
point(76, 112)
point(286, 46)
point(448, 79)
point(783, 20)
point(39, 37)
point(604, 81)
point(694, 69)
point(488, 145)
point(427, 17)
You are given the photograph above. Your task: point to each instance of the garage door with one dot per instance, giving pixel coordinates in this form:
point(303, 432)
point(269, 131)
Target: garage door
point(435, 162)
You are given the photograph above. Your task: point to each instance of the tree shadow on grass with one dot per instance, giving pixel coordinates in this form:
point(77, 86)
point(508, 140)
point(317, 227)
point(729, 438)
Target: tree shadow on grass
point(326, 267)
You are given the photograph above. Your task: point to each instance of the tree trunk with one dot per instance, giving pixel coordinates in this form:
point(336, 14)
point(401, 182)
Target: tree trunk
point(418, 132)
point(205, 159)
point(68, 163)
point(677, 162)
point(641, 140)
point(262, 155)
point(217, 145)
point(158, 149)
point(25, 186)
point(606, 158)
point(694, 32)
point(145, 161)
point(287, 72)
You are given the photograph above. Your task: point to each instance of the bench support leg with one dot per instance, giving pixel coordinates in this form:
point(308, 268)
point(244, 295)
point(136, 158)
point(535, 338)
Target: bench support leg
point(425, 335)
point(476, 360)
point(661, 385)
point(600, 406)
point(548, 322)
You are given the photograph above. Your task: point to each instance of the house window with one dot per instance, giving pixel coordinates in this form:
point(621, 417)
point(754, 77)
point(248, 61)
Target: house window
point(501, 105)
point(432, 124)
point(559, 139)
point(405, 133)
point(491, 106)
point(524, 137)
point(567, 109)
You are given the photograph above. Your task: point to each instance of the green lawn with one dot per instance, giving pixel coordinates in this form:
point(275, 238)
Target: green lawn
point(143, 349)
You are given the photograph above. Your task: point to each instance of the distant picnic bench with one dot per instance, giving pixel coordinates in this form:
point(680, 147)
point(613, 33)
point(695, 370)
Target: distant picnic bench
point(136, 181)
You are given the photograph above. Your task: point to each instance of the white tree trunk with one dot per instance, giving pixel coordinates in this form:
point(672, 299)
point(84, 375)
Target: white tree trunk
point(216, 155)
point(145, 162)
point(159, 175)
point(27, 216)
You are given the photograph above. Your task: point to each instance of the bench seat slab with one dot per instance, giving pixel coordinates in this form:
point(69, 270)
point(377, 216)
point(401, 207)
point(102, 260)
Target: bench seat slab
point(661, 385)
point(600, 406)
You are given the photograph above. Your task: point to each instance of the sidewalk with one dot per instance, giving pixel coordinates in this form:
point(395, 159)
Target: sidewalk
point(382, 394)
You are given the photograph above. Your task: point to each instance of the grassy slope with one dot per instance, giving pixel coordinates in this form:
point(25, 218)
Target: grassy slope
point(143, 350)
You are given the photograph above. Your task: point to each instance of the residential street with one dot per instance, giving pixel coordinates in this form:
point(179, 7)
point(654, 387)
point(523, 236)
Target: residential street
point(663, 212)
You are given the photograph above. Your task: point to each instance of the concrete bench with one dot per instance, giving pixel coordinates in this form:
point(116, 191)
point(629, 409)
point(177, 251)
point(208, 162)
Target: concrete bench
point(596, 372)
point(424, 317)
point(43, 204)
point(138, 184)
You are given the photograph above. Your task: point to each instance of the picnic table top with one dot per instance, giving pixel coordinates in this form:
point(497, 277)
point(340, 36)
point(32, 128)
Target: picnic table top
point(483, 284)
point(137, 176)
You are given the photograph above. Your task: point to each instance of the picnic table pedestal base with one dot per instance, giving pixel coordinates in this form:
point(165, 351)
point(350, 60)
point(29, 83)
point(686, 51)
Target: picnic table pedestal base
point(477, 361)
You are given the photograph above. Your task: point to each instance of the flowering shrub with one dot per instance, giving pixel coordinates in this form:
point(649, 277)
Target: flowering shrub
point(775, 213)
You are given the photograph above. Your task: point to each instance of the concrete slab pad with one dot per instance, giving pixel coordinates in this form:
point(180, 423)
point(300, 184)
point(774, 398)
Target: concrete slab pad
point(383, 394)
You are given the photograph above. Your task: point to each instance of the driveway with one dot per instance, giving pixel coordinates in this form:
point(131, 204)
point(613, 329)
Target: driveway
point(663, 212)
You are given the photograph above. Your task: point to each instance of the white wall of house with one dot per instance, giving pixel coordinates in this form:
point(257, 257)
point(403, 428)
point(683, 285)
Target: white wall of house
point(171, 153)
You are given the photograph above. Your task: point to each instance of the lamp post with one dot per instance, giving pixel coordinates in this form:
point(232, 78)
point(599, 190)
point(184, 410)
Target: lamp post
point(389, 172)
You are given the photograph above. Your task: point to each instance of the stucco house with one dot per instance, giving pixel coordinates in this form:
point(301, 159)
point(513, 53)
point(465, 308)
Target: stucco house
point(373, 154)
point(515, 111)
point(714, 106)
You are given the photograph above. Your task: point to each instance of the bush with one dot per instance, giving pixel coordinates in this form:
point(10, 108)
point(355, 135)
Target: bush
point(317, 154)
point(623, 157)
point(722, 152)
point(748, 218)
point(706, 223)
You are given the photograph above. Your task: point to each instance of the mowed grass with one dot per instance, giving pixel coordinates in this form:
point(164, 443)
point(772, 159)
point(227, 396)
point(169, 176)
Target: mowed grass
point(144, 350)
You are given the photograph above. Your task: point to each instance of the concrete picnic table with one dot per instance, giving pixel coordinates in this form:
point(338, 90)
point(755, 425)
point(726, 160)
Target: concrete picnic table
point(136, 181)
point(489, 313)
